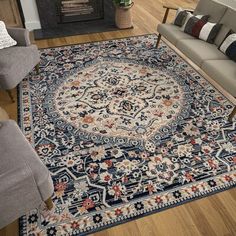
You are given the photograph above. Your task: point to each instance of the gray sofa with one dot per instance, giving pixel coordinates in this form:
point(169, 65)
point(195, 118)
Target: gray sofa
point(17, 61)
point(207, 56)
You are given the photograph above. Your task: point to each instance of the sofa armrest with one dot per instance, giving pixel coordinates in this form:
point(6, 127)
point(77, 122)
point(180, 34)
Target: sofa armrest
point(20, 35)
point(168, 8)
point(176, 8)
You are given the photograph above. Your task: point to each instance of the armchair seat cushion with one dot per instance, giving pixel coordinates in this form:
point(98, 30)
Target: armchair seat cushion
point(172, 33)
point(223, 72)
point(15, 63)
point(199, 51)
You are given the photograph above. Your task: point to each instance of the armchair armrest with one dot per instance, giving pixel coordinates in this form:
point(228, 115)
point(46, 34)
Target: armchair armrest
point(168, 8)
point(20, 35)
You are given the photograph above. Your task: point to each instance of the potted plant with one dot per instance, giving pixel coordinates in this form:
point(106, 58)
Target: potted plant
point(123, 15)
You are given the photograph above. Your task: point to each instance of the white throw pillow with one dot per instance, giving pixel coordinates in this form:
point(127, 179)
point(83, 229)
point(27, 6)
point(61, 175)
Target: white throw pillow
point(5, 39)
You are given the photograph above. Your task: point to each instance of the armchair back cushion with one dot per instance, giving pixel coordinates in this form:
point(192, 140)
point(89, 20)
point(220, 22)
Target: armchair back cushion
point(20, 35)
point(228, 23)
point(15, 63)
point(212, 8)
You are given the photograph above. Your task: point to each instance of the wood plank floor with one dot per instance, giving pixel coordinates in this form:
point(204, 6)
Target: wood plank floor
point(214, 215)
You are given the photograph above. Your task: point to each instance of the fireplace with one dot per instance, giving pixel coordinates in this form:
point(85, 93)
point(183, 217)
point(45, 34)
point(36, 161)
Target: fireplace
point(79, 10)
point(61, 18)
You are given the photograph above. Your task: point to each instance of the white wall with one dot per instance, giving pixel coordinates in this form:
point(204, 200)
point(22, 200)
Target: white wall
point(31, 14)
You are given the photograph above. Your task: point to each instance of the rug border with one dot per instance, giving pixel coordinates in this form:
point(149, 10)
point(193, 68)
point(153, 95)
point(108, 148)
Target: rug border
point(99, 41)
point(23, 219)
point(18, 90)
point(156, 211)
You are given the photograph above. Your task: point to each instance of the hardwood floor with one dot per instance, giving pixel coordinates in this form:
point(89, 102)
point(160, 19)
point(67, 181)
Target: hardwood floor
point(214, 215)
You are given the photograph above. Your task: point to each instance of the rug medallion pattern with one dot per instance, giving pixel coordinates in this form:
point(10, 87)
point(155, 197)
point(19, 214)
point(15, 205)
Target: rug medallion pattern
point(125, 130)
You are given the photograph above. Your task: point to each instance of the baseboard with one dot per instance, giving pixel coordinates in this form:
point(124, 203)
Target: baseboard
point(32, 25)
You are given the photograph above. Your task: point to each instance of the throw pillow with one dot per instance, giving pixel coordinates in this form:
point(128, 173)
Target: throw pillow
point(228, 47)
point(192, 17)
point(5, 39)
point(198, 27)
point(209, 31)
point(180, 17)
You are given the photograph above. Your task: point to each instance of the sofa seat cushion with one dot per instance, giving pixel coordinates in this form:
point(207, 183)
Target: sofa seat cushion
point(172, 33)
point(223, 72)
point(15, 63)
point(199, 51)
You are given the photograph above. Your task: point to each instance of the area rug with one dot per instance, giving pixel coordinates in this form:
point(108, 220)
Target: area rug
point(126, 130)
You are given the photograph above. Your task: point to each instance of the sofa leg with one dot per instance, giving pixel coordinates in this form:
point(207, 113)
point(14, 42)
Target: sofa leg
point(158, 40)
point(232, 114)
point(37, 68)
point(49, 203)
point(11, 96)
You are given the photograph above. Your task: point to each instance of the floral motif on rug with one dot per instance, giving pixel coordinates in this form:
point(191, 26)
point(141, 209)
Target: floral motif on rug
point(125, 130)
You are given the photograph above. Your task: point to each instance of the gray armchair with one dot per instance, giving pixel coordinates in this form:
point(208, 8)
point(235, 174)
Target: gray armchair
point(25, 182)
point(17, 61)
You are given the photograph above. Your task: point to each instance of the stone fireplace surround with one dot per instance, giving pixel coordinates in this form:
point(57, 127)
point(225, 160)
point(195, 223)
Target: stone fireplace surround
point(50, 28)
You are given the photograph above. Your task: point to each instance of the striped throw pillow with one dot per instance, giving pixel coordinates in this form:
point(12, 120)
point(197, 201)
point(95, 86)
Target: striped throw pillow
point(190, 18)
point(198, 27)
point(209, 31)
point(180, 17)
point(228, 47)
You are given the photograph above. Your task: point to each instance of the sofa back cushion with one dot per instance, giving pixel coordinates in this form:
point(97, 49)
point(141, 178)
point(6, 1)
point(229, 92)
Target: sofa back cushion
point(212, 8)
point(229, 3)
point(228, 23)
